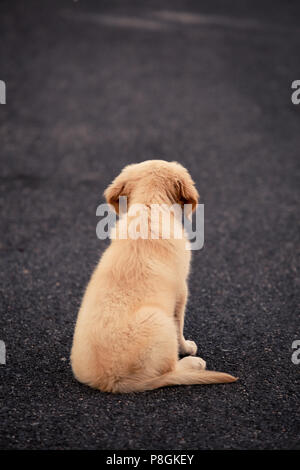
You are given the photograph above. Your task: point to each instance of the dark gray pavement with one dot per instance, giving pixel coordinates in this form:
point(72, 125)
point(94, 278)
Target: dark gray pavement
point(92, 86)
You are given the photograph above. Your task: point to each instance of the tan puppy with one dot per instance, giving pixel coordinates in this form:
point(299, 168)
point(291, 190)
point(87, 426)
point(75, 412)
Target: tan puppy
point(129, 330)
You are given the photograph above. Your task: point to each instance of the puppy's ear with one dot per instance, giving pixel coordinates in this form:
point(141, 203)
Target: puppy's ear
point(187, 193)
point(113, 192)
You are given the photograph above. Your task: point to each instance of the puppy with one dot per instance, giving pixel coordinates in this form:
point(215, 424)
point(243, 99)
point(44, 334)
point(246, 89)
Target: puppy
point(129, 330)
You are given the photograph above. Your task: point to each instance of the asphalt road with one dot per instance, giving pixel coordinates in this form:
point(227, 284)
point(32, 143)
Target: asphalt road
point(92, 86)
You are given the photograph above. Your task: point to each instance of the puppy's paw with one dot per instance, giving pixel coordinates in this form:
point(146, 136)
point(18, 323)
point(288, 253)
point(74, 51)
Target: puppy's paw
point(188, 348)
point(201, 362)
point(195, 362)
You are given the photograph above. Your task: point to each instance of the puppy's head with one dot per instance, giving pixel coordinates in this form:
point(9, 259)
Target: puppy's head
point(153, 181)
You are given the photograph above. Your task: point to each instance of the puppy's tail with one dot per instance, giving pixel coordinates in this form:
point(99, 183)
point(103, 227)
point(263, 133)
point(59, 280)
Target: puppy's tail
point(182, 377)
point(189, 377)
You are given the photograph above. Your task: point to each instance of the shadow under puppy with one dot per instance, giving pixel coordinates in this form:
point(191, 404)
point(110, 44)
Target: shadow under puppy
point(129, 330)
